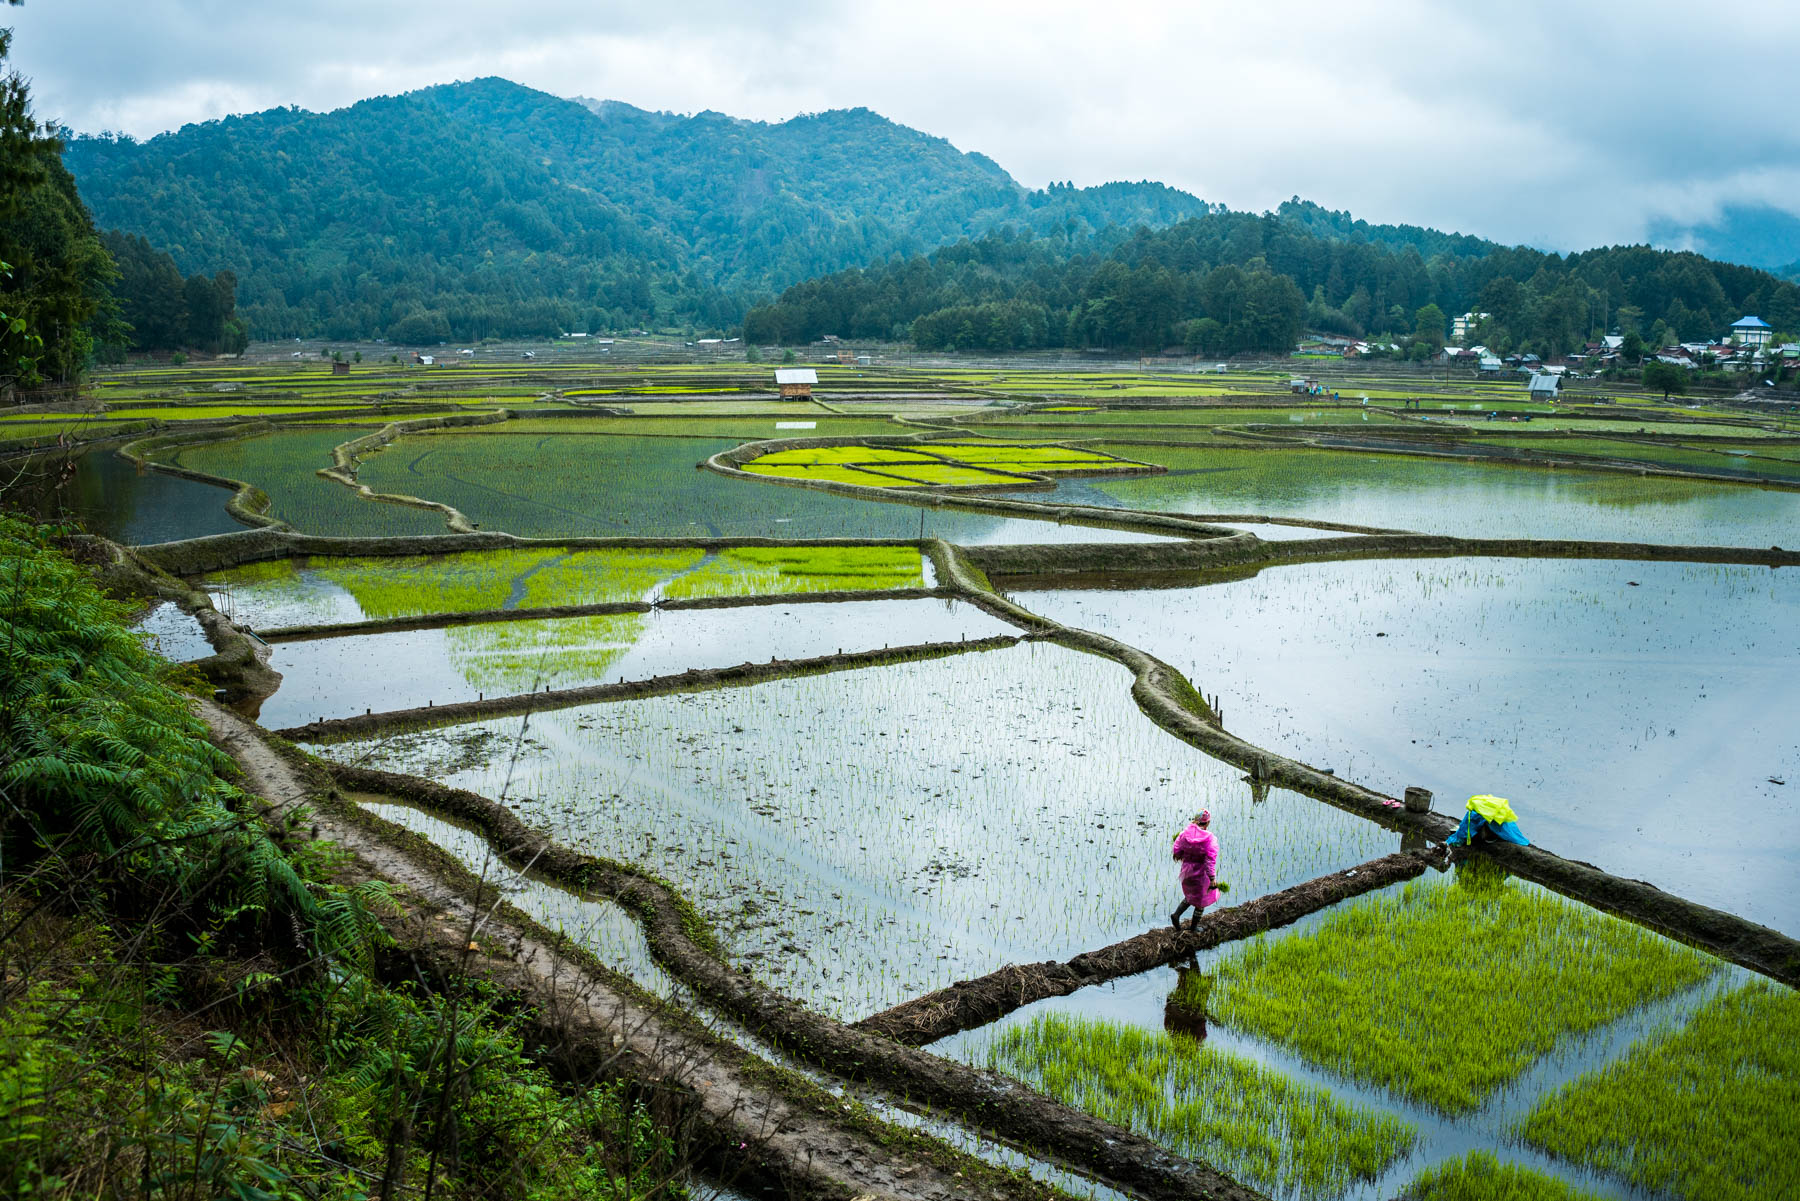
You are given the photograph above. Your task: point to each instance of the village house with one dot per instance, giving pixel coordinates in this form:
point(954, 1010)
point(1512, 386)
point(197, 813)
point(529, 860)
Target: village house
point(1543, 386)
point(1751, 331)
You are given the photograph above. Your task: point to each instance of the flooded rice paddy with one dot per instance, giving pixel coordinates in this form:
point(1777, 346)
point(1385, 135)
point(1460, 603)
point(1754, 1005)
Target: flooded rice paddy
point(550, 485)
point(339, 590)
point(174, 635)
point(1638, 715)
point(344, 676)
point(1447, 496)
point(112, 498)
point(862, 837)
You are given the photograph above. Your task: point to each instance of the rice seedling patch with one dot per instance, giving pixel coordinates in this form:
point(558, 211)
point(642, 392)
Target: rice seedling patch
point(751, 570)
point(1250, 1121)
point(1479, 1176)
point(285, 592)
point(833, 473)
point(1710, 1112)
point(1443, 994)
point(954, 474)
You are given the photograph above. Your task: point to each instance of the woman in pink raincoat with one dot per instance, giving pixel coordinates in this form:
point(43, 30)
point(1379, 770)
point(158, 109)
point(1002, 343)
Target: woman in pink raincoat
point(1198, 852)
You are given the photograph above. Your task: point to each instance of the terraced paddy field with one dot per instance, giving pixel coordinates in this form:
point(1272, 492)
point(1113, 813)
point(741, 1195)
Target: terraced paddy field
point(285, 465)
point(861, 837)
point(1635, 713)
point(286, 592)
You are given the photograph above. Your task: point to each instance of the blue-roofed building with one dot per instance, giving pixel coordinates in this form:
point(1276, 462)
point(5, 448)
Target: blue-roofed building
point(1751, 331)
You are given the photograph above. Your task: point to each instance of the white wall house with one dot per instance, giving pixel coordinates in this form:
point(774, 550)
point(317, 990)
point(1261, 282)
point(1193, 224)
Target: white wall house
point(1751, 331)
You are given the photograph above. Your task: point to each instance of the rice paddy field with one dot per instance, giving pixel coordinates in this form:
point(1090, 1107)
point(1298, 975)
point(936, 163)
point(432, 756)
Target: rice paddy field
point(1439, 496)
point(861, 837)
point(344, 676)
point(1635, 713)
point(545, 485)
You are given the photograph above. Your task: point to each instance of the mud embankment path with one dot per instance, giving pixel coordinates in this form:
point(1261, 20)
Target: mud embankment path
point(971, 1003)
point(583, 1025)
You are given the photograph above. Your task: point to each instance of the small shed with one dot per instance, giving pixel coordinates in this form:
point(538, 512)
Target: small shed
point(1543, 386)
point(796, 383)
point(340, 367)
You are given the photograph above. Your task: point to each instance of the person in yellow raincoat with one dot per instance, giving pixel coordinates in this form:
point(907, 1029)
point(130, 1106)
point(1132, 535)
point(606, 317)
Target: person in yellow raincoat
point(1489, 817)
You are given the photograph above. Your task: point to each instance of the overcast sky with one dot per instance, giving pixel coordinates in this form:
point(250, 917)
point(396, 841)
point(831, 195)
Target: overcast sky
point(1565, 124)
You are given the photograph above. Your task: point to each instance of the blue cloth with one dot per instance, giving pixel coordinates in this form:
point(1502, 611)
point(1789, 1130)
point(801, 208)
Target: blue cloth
point(1473, 824)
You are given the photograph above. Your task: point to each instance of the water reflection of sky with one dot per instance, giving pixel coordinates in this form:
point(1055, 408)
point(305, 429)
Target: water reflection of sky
point(1633, 725)
point(1445, 496)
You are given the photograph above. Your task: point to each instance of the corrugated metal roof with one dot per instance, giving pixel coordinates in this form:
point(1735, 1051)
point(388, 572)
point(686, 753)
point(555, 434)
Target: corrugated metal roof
point(1749, 323)
point(796, 375)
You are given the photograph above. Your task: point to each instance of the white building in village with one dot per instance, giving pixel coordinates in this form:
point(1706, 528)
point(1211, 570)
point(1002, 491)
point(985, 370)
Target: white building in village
point(1751, 331)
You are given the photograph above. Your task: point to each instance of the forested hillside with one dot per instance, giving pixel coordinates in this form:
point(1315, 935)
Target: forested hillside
point(1228, 282)
point(487, 208)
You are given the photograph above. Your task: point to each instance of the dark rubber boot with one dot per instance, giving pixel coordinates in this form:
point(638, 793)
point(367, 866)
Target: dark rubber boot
point(1175, 920)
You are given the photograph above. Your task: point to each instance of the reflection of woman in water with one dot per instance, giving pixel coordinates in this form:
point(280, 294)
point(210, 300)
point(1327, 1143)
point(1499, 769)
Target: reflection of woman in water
point(1185, 1010)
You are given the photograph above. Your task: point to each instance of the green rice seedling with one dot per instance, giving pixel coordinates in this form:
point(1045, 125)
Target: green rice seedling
point(1479, 1176)
point(753, 570)
point(833, 473)
point(1443, 994)
point(1249, 1120)
point(952, 474)
point(842, 456)
point(1710, 1112)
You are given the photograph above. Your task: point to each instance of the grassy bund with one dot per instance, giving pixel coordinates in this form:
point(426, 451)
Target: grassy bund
point(887, 817)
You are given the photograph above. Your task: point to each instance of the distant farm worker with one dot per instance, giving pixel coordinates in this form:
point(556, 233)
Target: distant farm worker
point(1488, 817)
point(1198, 852)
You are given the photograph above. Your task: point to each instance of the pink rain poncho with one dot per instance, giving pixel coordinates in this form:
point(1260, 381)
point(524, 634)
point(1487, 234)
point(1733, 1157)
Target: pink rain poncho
point(1198, 851)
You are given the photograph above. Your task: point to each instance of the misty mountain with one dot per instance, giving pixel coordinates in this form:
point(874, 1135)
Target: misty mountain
point(1754, 235)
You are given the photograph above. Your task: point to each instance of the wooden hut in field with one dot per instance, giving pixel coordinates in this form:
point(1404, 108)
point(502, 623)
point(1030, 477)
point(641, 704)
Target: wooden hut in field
point(796, 383)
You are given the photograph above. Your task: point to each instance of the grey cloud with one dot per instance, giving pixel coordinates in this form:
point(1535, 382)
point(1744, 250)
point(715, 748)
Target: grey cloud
point(1559, 123)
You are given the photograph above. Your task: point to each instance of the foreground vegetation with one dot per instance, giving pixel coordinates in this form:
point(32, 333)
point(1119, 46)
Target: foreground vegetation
point(1400, 990)
point(186, 1004)
point(1710, 1112)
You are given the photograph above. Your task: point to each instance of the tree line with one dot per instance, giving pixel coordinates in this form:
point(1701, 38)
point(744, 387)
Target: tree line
point(1227, 283)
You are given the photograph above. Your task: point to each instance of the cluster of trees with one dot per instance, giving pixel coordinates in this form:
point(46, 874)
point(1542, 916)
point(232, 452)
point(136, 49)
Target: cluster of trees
point(1226, 283)
point(162, 310)
point(54, 271)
